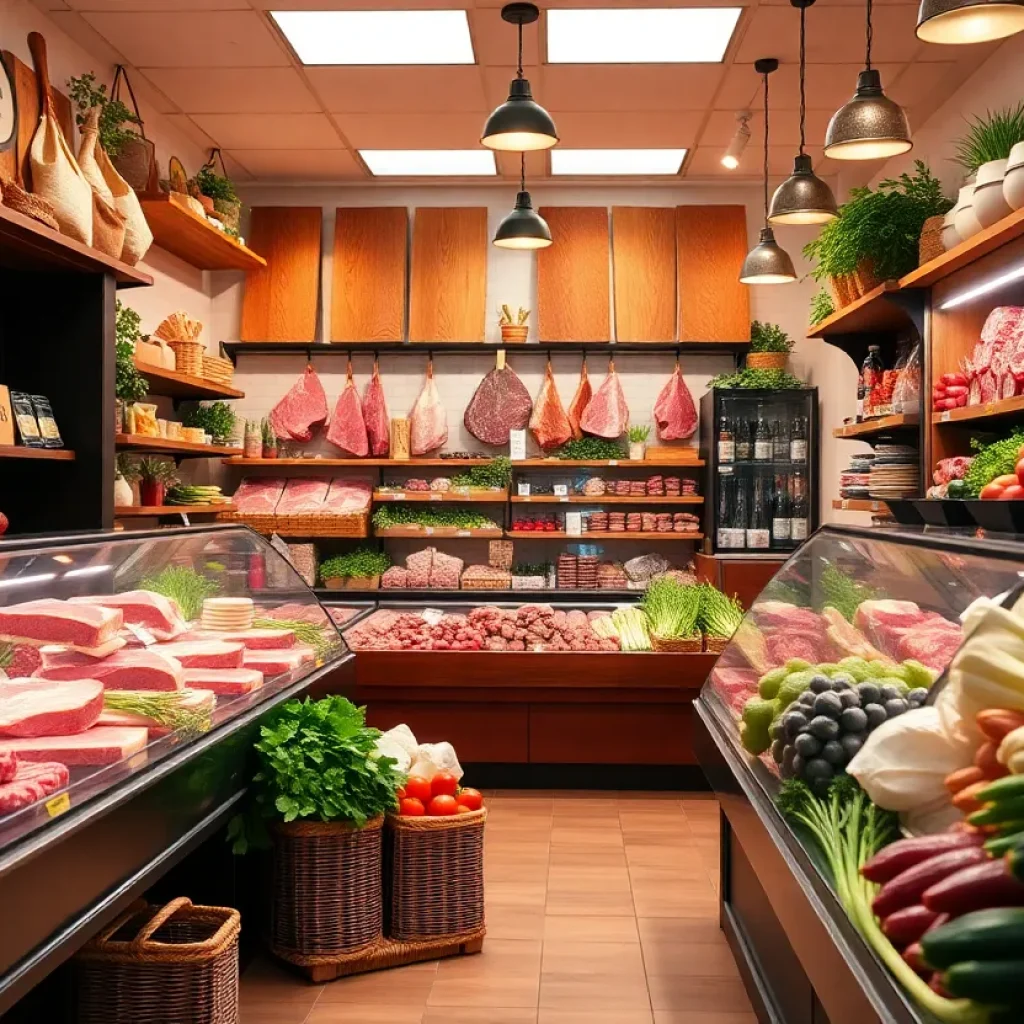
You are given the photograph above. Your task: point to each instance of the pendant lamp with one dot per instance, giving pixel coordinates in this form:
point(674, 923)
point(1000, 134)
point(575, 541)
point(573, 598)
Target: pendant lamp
point(523, 228)
point(767, 262)
point(803, 198)
point(519, 123)
point(969, 21)
point(870, 126)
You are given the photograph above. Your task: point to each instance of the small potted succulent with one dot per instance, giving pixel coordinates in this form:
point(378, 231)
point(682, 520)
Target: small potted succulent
point(984, 152)
point(269, 440)
point(638, 441)
point(513, 328)
point(770, 346)
point(155, 476)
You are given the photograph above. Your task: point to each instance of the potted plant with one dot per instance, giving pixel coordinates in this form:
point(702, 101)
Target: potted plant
point(85, 94)
point(155, 476)
point(770, 345)
point(126, 473)
point(216, 419)
point(983, 152)
point(269, 440)
point(822, 307)
point(637, 436)
point(513, 329)
point(221, 190)
point(129, 385)
point(357, 570)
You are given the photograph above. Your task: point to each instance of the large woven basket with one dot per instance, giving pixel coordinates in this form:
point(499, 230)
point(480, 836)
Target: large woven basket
point(715, 644)
point(188, 357)
point(767, 360)
point(678, 645)
point(174, 965)
point(434, 875)
point(326, 889)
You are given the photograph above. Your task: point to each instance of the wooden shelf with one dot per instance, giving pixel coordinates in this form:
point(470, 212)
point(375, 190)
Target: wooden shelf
point(385, 594)
point(871, 312)
point(879, 425)
point(483, 497)
point(17, 451)
point(133, 442)
point(675, 463)
point(602, 535)
point(192, 238)
point(238, 460)
point(606, 499)
point(172, 384)
point(859, 505)
point(133, 511)
point(26, 244)
point(439, 532)
point(1006, 407)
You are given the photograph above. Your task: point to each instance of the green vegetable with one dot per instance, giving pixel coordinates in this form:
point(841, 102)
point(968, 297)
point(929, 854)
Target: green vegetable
point(1001, 844)
point(671, 608)
point(638, 434)
point(631, 625)
point(86, 94)
point(993, 982)
point(155, 469)
point(184, 585)
point(193, 494)
point(591, 449)
point(769, 338)
point(217, 419)
point(322, 638)
point(915, 674)
point(956, 489)
point(129, 384)
point(822, 307)
point(269, 437)
point(163, 707)
point(496, 473)
point(768, 685)
point(361, 563)
point(990, 137)
point(771, 380)
point(398, 514)
point(981, 935)
point(843, 592)
point(530, 569)
point(720, 616)
point(991, 460)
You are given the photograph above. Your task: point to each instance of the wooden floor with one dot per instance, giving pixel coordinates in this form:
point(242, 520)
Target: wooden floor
point(601, 909)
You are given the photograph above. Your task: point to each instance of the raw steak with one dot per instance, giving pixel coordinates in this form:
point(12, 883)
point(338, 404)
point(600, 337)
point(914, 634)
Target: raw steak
point(273, 663)
point(674, 411)
point(102, 744)
point(58, 622)
point(783, 615)
point(131, 669)
point(154, 612)
point(347, 430)
point(812, 647)
point(847, 639)
point(346, 496)
point(251, 639)
point(31, 783)
point(886, 622)
point(549, 423)
point(501, 403)
point(580, 401)
point(39, 707)
point(428, 421)
point(302, 496)
point(932, 643)
point(302, 410)
point(204, 653)
point(8, 766)
point(226, 681)
point(375, 416)
point(197, 701)
point(607, 414)
point(259, 495)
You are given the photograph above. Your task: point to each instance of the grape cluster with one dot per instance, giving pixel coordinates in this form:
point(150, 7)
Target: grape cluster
point(822, 730)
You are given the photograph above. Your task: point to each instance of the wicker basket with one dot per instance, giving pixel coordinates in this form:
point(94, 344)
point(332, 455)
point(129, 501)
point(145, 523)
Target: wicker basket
point(174, 965)
point(715, 644)
point(222, 371)
point(678, 645)
point(40, 209)
point(434, 875)
point(767, 360)
point(352, 583)
point(514, 334)
point(188, 357)
point(355, 524)
point(486, 582)
point(930, 243)
point(326, 889)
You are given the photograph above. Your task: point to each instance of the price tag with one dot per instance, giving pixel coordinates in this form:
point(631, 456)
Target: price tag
point(613, 462)
point(428, 530)
point(397, 496)
point(463, 533)
point(523, 488)
point(184, 519)
point(725, 470)
point(437, 497)
point(563, 497)
point(560, 490)
point(58, 805)
point(944, 418)
point(432, 616)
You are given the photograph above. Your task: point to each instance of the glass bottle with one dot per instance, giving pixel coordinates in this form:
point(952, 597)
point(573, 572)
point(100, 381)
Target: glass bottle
point(762, 438)
point(799, 509)
point(726, 510)
point(744, 444)
point(780, 512)
point(726, 440)
point(759, 523)
point(869, 394)
point(780, 440)
point(798, 440)
point(741, 514)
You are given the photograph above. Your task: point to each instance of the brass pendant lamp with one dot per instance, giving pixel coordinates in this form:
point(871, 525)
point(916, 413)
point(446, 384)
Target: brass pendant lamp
point(969, 21)
point(523, 228)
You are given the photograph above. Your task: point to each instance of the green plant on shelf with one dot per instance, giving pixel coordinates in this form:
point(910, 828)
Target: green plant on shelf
point(530, 569)
point(85, 94)
point(216, 419)
point(638, 434)
point(214, 185)
point(126, 466)
point(269, 437)
point(590, 449)
point(389, 515)
point(822, 307)
point(496, 473)
point(359, 564)
point(990, 137)
point(768, 380)
point(129, 384)
point(769, 338)
point(152, 469)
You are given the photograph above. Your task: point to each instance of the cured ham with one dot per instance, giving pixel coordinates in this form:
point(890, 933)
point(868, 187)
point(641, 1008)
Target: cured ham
point(375, 416)
point(607, 414)
point(499, 405)
point(428, 421)
point(549, 422)
point(302, 410)
point(580, 401)
point(347, 430)
point(674, 411)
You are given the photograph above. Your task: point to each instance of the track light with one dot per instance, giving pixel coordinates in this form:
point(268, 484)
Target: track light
point(731, 157)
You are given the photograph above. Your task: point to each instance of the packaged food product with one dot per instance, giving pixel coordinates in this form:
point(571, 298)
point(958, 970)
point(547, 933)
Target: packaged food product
point(145, 420)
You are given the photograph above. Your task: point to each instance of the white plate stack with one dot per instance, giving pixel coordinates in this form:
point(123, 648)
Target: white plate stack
point(227, 614)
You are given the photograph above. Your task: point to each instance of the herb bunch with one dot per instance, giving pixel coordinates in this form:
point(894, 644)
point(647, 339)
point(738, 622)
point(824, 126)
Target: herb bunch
point(496, 473)
point(590, 449)
point(411, 515)
point(215, 186)
point(769, 338)
point(129, 384)
point(990, 137)
point(991, 460)
point(822, 307)
point(770, 380)
point(184, 585)
point(217, 419)
point(360, 563)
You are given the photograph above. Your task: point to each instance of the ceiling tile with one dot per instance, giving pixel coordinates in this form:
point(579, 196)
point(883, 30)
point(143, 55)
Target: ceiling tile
point(494, 40)
point(155, 5)
point(185, 126)
point(828, 86)
point(235, 90)
point(601, 87)
point(785, 127)
point(213, 39)
point(300, 164)
point(645, 130)
point(404, 90)
point(412, 131)
point(270, 131)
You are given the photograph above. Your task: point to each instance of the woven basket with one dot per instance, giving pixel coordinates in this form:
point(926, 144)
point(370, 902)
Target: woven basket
point(217, 369)
point(930, 243)
point(352, 583)
point(353, 524)
point(174, 965)
point(767, 360)
point(17, 199)
point(715, 644)
point(434, 875)
point(678, 645)
point(188, 357)
point(513, 334)
point(326, 888)
point(486, 583)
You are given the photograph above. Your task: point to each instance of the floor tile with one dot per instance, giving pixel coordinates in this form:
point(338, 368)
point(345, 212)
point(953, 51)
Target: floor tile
point(590, 928)
point(363, 1013)
point(678, 992)
point(403, 986)
point(514, 923)
point(705, 959)
point(590, 901)
point(593, 991)
point(688, 1017)
point(512, 992)
point(610, 959)
point(594, 1017)
point(683, 930)
point(478, 1015)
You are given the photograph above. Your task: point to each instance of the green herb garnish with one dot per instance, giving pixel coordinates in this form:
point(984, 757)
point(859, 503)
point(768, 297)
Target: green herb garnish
point(184, 585)
point(590, 449)
point(770, 380)
point(361, 563)
point(496, 473)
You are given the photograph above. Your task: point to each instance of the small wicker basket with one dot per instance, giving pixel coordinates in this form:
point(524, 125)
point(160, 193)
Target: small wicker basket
point(767, 360)
point(352, 582)
point(930, 243)
point(188, 357)
point(715, 644)
point(221, 371)
point(514, 334)
point(174, 965)
point(678, 645)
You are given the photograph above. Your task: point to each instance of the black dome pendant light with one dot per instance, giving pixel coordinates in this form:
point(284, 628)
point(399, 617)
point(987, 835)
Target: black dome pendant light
point(870, 126)
point(519, 123)
point(767, 262)
point(523, 228)
point(803, 198)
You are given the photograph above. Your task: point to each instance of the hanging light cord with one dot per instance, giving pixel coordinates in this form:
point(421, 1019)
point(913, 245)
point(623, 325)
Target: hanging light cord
point(766, 148)
point(870, 34)
point(803, 64)
point(519, 72)
point(522, 172)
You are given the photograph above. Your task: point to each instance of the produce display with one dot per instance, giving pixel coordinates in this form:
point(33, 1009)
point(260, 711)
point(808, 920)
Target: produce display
point(993, 469)
point(195, 494)
point(359, 564)
point(771, 380)
point(423, 517)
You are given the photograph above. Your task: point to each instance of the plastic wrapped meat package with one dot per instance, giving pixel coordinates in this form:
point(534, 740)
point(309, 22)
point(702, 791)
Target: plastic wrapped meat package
point(259, 495)
point(347, 496)
point(303, 497)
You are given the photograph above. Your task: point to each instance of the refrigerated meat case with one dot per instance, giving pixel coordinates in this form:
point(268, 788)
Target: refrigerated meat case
point(71, 862)
point(801, 959)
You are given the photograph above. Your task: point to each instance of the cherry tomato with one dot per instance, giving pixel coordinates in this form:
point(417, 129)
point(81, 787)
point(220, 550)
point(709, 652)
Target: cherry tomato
point(462, 809)
point(1012, 493)
point(410, 807)
point(444, 784)
point(401, 793)
point(441, 806)
point(470, 798)
point(418, 787)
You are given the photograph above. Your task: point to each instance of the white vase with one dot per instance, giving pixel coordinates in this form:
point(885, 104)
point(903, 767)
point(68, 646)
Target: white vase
point(964, 219)
point(949, 236)
point(989, 203)
point(1013, 182)
point(122, 492)
point(638, 450)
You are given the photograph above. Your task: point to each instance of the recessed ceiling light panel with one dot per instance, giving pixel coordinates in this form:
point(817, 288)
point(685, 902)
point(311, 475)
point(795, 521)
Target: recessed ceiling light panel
point(377, 37)
point(410, 163)
point(678, 35)
point(616, 161)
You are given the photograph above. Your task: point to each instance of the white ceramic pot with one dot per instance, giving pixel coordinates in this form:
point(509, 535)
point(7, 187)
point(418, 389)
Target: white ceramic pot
point(949, 236)
point(1013, 182)
point(964, 219)
point(122, 492)
point(989, 203)
point(637, 450)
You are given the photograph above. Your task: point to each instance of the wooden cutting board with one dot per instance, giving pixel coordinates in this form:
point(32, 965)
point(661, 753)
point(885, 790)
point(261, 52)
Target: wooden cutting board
point(644, 272)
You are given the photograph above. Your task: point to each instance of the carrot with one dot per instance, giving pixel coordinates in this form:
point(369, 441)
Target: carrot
point(962, 778)
point(985, 760)
point(995, 723)
point(965, 800)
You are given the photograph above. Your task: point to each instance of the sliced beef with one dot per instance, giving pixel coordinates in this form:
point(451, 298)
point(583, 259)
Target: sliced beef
point(674, 411)
point(500, 404)
point(154, 612)
point(129, 669)
point(251, 639)
point(348, 430)
point(375, 416)
point(59, 622)
point(428, 421)
point(580, 401)
point(549, 422)
point(302, 410)
point(274, 663)
point(303, 496)
point(204, 653)
point(8, 765)
point(347, 496)
point(30, 783)
point(225, 681)
point(40, 707)
point(102, 744)
point(607, 414)
point(259, 495)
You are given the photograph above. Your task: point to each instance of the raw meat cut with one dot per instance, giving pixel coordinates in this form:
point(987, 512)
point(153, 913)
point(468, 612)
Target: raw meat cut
point(347, 430)
point(607, 415)
point(302, 410)
point(224, 680)
point(197, 701)
point(273, 663)
point(156, 613)
point(58, 622)
point(375, 416)
point(783, 615)
point(259, 495)
point(102, 744)
point(580, 401)
point(203, 653)
point(131, 669)
point(848, 639)
point(32, 782)
point(428, 421)
point(812, 647)
point(549, 422)
point(8, 766)
point(885, 622)
point(39, 707)
point(251, 639)
point(932, 643)
point(347, 496)
point(500, 403)
point(302, 496)
point(674, 411)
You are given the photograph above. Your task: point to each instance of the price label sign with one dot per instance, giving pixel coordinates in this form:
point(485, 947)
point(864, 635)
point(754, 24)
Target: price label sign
point(428, 530)
point(613, 462)
point(398, 496)
point(463, 533)
point(944, 418)
point(437, 497)
point(523, 488)
point(58, 805)
point(561, 490)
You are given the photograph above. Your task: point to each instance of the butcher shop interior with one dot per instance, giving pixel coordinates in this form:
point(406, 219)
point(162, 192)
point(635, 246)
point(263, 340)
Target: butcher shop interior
point(512, 514)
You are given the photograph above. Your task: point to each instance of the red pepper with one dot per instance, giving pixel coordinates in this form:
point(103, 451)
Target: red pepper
point(908, 925)
point(908, 887)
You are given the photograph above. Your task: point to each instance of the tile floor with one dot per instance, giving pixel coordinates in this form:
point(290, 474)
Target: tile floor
point(601, 909)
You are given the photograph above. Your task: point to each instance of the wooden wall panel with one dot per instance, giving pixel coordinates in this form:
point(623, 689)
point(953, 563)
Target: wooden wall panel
point(370, 282)
point(280, 300)
point(711, 245)
point(572, 276)
point(448, 290)
point(644, 272)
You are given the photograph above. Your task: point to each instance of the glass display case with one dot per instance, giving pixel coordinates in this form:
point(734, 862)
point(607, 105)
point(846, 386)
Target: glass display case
point(121, 650)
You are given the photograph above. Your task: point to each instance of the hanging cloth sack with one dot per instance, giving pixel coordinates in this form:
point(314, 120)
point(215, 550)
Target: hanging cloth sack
point(137, 235)
point(108, 226)
point(136, 160)
point(56, 175)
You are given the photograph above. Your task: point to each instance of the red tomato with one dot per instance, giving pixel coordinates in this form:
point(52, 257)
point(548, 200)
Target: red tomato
point(441, 806)
point(1020, 472)
point(462, 809)
point(470, 798)
point(418, 787)
point(443, 784)
point(990, 492)
point(401, 793)
point(410, 807)
point(1006, 480)
point(1012, 493)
